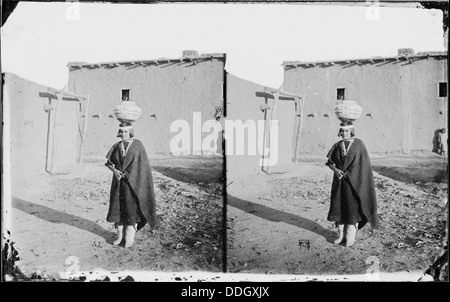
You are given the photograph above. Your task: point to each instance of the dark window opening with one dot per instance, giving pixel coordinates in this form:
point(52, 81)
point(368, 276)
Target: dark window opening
point(340, 94)
point(443, 89)
point(125, 94)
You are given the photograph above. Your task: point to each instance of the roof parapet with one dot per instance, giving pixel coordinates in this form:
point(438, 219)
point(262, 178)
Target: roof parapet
point(187, 58)
point(419, 55)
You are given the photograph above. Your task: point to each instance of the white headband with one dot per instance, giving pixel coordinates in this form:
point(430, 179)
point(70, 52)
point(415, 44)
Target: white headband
point(346, 127)
point(125, 128)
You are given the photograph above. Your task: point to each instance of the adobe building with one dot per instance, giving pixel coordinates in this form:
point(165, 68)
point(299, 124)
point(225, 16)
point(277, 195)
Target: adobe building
point(253, 142)
point(165, 89)
point(43, 127)
point(404, 100)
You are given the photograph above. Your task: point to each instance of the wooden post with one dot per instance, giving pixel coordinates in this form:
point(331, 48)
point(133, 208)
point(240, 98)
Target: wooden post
point(52, 116)
point(301, 104)
point(266, 123)
point(83, 134)
point(269, 128)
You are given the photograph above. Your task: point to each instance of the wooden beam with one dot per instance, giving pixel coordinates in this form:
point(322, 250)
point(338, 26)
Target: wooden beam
point(69, 98)
point(65, 93)
point(281, 92)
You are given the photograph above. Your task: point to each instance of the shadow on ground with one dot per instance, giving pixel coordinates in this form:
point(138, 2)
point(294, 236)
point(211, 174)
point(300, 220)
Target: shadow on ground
point(414, 174)
point(280, 216)
point(55, 216)
point(191, 169)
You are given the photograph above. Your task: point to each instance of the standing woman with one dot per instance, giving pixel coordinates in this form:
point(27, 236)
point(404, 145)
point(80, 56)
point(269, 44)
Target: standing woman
point(132, 198)
point(442, 142)
point(353, 198)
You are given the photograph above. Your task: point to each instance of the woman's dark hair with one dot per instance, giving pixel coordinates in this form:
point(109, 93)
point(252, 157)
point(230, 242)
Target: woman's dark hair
point(126, 124)
point(131, 133)
point(352, 130)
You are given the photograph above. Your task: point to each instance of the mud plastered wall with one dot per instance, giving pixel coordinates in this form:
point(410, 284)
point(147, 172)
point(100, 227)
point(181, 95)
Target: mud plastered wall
point(165, 93)
point(43, 130)
point(244, 101)
point(401, 105)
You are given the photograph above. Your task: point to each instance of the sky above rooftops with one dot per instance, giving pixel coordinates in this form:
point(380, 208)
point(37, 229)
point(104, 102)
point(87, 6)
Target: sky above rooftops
point(39, 39)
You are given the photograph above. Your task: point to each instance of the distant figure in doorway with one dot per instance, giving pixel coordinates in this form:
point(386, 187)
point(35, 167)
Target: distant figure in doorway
point(353, 199)
point(132, 198)
point(441, 142)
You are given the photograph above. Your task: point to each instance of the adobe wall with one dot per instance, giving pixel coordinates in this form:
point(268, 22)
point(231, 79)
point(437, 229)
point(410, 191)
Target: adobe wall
point(29, 128)
point(165, 93)
point(401, 107)
point(244, 101)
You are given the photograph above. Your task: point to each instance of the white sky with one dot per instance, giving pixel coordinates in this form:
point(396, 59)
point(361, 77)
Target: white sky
point(38, 39)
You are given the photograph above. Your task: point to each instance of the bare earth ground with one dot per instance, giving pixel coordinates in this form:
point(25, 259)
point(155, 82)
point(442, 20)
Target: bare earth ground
point(59, 222)
point(276, 223)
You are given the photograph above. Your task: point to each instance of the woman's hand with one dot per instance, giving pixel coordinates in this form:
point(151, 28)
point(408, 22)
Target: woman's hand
point(118, 174)
point(339, 173)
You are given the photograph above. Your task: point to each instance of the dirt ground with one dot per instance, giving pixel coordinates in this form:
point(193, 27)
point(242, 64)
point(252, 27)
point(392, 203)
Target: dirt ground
point(59, 221)
point(276, 223)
